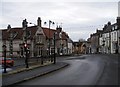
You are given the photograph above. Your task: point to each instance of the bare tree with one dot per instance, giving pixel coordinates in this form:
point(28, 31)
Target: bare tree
point(81, 40)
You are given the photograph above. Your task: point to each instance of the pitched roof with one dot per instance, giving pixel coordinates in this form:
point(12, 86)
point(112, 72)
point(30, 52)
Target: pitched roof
point(18, 32)
point(49, 33)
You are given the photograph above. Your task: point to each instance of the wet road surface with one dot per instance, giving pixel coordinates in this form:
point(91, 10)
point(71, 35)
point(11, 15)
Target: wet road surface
point(83, 70)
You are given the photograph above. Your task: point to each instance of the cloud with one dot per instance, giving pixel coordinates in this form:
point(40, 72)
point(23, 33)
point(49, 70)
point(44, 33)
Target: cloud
point(60, 0)
point(81, 17)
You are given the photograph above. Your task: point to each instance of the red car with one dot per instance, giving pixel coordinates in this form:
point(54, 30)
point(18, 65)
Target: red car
point(9, 62)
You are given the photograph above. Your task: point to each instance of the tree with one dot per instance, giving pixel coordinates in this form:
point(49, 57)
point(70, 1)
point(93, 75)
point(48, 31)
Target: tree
point(81, 40)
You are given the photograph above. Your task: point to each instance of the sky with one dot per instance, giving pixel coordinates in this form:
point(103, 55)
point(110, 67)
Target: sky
point(79, 19)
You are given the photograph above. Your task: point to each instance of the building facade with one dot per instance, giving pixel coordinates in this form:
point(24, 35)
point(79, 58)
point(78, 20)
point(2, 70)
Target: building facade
point(94, 42)
point(40, 41)
point(106, 40)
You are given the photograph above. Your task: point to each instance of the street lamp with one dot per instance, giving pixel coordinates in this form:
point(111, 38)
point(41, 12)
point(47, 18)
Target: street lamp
point(54, 47)
point(50, 22)
point(24, 25)
point(33, 23)
point(11, 41)
point(4, 53)
point(103, 45)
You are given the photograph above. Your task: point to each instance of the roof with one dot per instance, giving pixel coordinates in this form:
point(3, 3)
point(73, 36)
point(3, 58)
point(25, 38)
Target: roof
point(49, 33)
point(107, 29)
point(18, 33)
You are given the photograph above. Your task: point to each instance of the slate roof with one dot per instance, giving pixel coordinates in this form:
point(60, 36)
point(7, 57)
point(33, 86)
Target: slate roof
point(18, 33)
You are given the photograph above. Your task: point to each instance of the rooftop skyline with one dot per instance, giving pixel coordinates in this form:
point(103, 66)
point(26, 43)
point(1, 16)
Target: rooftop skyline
point(78, 19)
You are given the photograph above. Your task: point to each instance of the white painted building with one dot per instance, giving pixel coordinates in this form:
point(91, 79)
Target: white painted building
point(105, 42)
point(118, 26)
point(114, 39)
point(101, 44)
point(0, 43)
point(70, 46)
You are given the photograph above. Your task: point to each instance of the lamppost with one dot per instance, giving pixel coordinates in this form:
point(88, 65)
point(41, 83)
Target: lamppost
point(103, 45)
point(11, 41)
point(24, 25)
point(50, 22)
point(54, 47)
point(4, 53)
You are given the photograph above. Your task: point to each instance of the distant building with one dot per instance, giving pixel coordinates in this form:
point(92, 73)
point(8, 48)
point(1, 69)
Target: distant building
point(118, 26)
point(76, 45)
point(80, 47)
point(106, 40)
point(114, 39)
point(0, 43)
point(70, 46)
point(94, 41)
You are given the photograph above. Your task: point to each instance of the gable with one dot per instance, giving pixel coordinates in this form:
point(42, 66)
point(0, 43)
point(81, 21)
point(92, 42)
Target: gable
point(39, 31)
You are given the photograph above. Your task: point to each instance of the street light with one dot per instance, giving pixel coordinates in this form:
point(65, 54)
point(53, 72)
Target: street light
point(103, 46)
point(4, 53)
point(50, 22)
point(24, 25)
point(54, 47)
point(33, 23)
point(11, 41)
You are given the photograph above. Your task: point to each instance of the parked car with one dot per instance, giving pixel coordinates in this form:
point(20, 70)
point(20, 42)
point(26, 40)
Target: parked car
point(2, 69)
point(9, 62)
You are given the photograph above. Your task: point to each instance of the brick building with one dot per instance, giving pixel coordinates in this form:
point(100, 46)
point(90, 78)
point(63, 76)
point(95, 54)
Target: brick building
point(38, 39)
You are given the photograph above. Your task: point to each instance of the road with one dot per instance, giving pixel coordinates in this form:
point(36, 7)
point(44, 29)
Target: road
point(83, 70)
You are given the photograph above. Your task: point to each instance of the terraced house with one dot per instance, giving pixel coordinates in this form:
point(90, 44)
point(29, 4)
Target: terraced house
point(38, 40)
point(106, 40)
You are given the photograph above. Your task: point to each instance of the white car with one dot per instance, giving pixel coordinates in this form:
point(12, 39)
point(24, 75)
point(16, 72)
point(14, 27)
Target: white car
point(2, 69)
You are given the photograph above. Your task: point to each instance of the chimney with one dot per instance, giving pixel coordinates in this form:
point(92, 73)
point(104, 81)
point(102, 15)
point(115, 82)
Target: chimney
point(59, 29)
point(39, 22)
point(109, 23)
point(8, 27)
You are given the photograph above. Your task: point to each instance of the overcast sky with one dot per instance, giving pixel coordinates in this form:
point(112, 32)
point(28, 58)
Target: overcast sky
point(79, 19)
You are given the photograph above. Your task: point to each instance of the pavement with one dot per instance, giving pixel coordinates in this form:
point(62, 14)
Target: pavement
point(24, 74)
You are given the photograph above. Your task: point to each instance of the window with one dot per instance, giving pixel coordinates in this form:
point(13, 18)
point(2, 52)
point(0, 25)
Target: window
point(14, 34)
point(116, 27)
point(39, 51)
point(115, 36)
point(112, 36)
point(113, 28)
point(39, 38)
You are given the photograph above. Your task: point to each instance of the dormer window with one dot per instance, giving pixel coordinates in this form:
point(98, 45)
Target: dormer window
point(60, 34)
point(14, 34)
point(28, 34)
point(39, 38)
point(115, 26)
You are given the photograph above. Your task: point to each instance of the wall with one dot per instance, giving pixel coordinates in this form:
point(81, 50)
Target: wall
point(113, 41)
point(0, 43)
